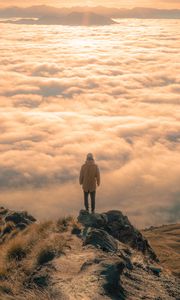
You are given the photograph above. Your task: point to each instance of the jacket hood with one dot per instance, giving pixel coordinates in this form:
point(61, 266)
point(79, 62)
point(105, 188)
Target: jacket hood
point(90, 161)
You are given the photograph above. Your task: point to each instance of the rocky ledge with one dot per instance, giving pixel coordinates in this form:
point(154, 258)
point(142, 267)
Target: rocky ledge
point(110, 259)
point(107, 228)
point(99, 257)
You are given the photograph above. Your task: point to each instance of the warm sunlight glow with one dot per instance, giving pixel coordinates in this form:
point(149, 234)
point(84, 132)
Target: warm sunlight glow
point(110, 88)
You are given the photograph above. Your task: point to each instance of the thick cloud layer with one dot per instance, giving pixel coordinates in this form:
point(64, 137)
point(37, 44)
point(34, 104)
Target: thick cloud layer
point(113, 91)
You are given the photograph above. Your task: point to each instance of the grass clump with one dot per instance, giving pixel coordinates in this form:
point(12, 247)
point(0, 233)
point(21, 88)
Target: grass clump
point(5, 289)
point(45, 255)
point(63, 223)
point(3, 272)
point(47, 251)
point(16, 250)
point(32, 295)
point(76, 227)
point(25, 259)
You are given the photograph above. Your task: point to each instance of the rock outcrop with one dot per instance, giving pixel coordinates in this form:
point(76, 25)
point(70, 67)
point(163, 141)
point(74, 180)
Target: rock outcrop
point(11, 222)
point(101, 257)
point(116, 225)
point(110, 259)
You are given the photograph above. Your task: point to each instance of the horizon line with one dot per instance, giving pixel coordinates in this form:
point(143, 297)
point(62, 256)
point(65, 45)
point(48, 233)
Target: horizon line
point(88, 6)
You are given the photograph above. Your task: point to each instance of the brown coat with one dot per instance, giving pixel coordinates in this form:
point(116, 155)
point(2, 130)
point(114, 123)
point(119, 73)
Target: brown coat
point(89, 176)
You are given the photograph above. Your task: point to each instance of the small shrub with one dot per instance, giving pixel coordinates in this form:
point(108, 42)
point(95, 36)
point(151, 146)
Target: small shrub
point(76, 228)
point(41, 281)
point(5, 289)
point(45, 255)
point(15, 250)
point(44, 227)
point(58, 243)
point(62, 223)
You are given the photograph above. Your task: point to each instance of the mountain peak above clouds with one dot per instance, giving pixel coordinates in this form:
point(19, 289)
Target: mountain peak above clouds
point(44, 10)
point(96, 256)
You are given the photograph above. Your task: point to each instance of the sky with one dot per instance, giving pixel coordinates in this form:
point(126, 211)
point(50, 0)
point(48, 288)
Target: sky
point(112, 91)
point(166, 4)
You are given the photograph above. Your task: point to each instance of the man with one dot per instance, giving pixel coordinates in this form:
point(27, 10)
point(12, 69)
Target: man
point(89, 178)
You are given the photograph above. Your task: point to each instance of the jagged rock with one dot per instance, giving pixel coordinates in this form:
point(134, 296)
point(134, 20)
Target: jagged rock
point(19, 217)
point(112, 272)
point(101, 239)
point(21, 226)
point(156, 270)
point(7, 229)
point(10, 221)
point(3, 211)
point(92, 220)
point(118, 226)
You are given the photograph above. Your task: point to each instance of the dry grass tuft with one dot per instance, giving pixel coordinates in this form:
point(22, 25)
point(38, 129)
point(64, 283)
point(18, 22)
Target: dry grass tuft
point(45, 255)
point(16, 250)
point(3, 271)
point(63, 223)
point(76, 227)
point(26, 257)
point(47, 251)
point(5, 290)
point(31, 295)
point(165, 242)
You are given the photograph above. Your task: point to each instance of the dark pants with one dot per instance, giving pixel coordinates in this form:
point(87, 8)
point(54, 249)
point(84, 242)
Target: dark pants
point(86, 202)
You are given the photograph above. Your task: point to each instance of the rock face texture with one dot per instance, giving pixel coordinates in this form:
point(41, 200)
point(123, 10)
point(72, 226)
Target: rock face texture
point(117, 226)
point(12, 221)
point(110, 259)
point(101, 239)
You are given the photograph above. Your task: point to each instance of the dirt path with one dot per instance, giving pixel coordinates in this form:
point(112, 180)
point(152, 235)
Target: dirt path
point(70, 278)
point(87, 273)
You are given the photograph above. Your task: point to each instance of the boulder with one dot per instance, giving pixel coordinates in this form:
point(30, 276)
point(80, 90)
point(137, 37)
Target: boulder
point(101, 239)
point(92, 220)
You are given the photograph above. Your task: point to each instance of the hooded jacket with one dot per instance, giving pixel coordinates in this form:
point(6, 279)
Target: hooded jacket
point(89, 176)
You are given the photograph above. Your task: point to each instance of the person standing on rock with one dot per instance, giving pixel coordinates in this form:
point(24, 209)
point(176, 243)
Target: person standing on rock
point(89, 178)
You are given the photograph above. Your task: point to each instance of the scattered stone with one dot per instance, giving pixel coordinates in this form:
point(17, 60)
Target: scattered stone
point(92, 220)
point(155, 270)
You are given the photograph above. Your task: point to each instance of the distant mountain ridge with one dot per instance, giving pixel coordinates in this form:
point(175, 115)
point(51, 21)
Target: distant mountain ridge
point(43, 10)
point(72, 19)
